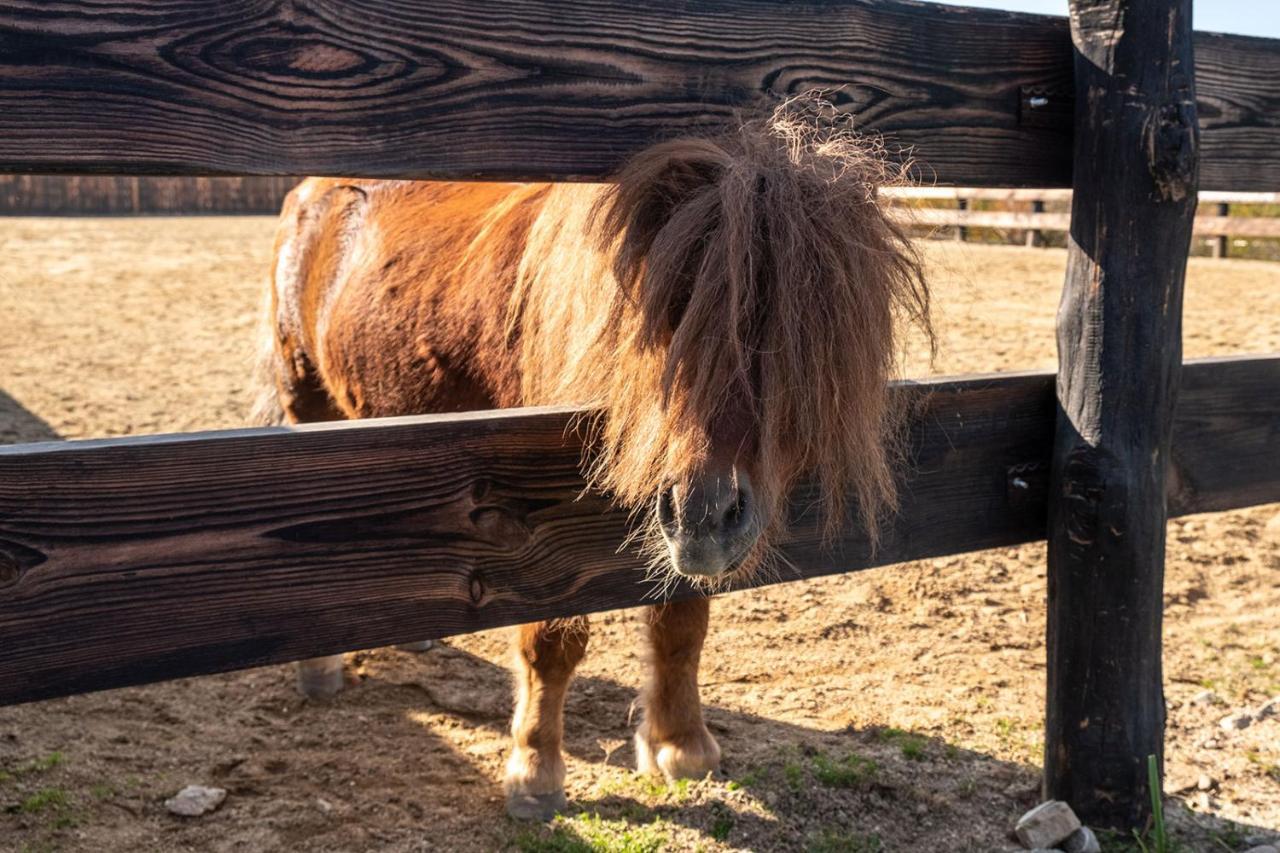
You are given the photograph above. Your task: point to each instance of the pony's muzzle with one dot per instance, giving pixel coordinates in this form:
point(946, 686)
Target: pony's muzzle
point(710, 525)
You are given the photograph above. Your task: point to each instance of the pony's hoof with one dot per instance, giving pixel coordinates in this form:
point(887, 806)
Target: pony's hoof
point(420, 646)
point(690, 756)
point(541, 807)
point(320, 678)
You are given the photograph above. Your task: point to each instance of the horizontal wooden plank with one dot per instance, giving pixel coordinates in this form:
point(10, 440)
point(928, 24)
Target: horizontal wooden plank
point(125, 561)
point(1226, 436)
point(1205, 226)
point(1053, 195)
point(537, 89)
point(1236, 226)
point(1022, 219)
point(132, 560)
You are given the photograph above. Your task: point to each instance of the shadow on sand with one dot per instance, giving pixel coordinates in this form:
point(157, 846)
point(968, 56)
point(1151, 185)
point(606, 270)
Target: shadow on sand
point(856, 789)
point(18, 425)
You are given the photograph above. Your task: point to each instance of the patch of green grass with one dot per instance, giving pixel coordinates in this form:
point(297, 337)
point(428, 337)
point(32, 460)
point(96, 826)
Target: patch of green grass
point(35, 765)
point(830, 840)
point(912, 745)
point(723, 825)
point(102, 791)
point(851, 771)
point(794, 774)
point(591, 833)
point(643, 786)
point(46, 799)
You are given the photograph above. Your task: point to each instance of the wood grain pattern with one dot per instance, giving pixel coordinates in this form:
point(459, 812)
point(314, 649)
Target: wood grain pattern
point(1119, 361)
point(125, 561)
point(538, 88)
point(504, 88)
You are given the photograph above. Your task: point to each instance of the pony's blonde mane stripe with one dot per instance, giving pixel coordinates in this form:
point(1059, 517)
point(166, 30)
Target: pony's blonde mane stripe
point(757, 266)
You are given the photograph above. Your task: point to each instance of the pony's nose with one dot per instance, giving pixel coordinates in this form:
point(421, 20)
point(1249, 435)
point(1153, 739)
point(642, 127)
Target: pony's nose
point(708, 526)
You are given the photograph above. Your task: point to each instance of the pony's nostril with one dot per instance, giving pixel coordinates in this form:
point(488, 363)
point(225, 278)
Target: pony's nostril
point(666, 508)
point(736, 513)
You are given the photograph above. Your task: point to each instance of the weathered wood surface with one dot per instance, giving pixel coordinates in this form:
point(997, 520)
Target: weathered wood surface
point(538, 88)
point(126, 561)
point(1119, 358)
point(1226, 436)
point(113, 195)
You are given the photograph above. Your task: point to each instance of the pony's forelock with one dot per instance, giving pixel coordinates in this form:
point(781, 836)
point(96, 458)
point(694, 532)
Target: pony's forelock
point(759, 267)
point(760, 263)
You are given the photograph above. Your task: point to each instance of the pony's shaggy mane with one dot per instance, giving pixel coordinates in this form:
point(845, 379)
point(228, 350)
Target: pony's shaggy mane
point(758, 267)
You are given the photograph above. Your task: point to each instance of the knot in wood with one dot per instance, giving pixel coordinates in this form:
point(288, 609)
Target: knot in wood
point(477, 588)
point(10, 571)
point(1171, 149)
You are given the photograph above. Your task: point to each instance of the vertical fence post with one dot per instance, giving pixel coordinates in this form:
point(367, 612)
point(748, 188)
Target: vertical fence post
point(1221, 243)
point(962, 233)
point(1033, 237)
point(1119, 355)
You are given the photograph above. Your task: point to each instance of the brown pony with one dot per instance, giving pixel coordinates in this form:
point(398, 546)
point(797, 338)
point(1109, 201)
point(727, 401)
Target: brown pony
point(728, 305)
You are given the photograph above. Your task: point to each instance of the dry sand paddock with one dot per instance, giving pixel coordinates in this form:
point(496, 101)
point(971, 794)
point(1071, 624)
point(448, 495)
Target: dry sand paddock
point(889, 710)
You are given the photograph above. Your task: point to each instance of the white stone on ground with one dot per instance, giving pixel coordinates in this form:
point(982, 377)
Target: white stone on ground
point(195, 800)
point(1046, 825)
point(1082, 841)
point(1238, 720)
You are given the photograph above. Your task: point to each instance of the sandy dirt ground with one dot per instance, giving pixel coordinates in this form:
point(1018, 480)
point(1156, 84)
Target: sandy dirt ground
point(895, 709)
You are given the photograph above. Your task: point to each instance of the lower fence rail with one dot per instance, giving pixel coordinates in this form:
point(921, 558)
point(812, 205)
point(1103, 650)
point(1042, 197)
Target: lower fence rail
point(133, 560)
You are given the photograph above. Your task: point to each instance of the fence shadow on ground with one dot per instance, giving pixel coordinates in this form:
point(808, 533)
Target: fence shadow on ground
point(809, 788)
point(19, 425)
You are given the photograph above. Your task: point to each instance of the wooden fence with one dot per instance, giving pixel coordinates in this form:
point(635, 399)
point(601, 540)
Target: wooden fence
point(116, 195)
point(133, 560)
point(1220, 225)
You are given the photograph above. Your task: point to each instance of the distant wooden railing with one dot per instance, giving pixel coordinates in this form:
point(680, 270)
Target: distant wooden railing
point(1220, 225)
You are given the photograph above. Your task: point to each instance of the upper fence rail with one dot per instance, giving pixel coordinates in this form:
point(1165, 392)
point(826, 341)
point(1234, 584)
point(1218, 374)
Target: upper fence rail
point(534, 89)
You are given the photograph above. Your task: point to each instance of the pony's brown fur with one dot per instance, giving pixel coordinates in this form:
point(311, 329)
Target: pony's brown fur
point(739, 290)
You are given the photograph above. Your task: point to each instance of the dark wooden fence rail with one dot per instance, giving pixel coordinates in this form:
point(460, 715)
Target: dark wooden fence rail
point(133, 560)
point(540, 88)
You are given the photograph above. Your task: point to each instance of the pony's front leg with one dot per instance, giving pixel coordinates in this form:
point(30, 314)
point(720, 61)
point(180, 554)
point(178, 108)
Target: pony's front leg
point(672, 738)
point(546, 655)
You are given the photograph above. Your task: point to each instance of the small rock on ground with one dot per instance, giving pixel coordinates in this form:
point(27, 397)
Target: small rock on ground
point(1047, 825)
point(1082, 841)
point(195, 800)
point(1204, 697)
point(1240, 720)
point(1265, 848)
